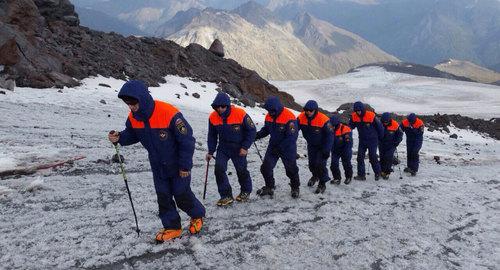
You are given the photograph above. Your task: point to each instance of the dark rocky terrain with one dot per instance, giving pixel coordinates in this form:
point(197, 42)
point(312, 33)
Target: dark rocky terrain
point(42, 45)
point(415, 69)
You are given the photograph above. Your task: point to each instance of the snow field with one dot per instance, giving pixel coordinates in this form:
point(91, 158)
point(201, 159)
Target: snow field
point(79, 216)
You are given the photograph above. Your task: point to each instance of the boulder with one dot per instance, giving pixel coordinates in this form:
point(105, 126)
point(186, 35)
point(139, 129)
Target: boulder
point(58, 10)
point(217, 48)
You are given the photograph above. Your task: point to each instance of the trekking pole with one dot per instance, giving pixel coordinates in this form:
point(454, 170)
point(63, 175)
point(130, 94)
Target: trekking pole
point(206, 180)
point(258, 152)
point(126, 184)
point(399, 165)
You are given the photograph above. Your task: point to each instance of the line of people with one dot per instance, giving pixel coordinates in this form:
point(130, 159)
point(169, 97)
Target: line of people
point(168, 138)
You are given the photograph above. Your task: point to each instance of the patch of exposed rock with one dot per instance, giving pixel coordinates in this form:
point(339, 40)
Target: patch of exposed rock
point(42, 45)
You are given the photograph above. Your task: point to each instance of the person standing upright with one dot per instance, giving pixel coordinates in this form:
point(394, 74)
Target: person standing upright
point(281, 125)
point(413, 128)
point(231, 132)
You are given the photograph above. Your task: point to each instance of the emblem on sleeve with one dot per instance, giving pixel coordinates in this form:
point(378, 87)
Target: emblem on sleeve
point(181, 127)
point(250, 122)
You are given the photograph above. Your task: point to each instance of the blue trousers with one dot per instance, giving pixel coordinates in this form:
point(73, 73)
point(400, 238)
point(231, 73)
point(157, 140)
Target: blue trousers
point(170, 187)
point(412, 156)
point(345, 155)
point(317, 163)
point(240, 164)
point(386, 158)
point(289, 161)
point(372, 155)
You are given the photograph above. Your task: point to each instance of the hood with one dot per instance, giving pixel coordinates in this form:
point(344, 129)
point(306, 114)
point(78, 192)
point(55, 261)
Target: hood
point(386, 118)
point(139, 91)
point(311, 105)
point(273, 104)
point(358, 106)
point(222, 99)
point(334, 120)
point(412, 118)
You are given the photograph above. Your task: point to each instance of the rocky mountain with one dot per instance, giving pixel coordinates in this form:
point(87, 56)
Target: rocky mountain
point(147, 15)
point(423, 31)
point(42, 45)
point(101, 21)
point(302, 48)
point(470, 70)
point(177, 22)
point(418, 31)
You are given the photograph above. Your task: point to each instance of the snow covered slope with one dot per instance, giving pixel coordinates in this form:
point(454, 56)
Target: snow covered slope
point(398, 92)
point(79, 216)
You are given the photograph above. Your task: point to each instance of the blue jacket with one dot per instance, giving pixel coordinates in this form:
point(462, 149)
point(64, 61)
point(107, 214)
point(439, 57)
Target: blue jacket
point(393, 135)
point(414, 131)
point(317, 130)
point(343, 140)
point(160, 128)
point(281, 125)
point(234, 129)
point(370, 129)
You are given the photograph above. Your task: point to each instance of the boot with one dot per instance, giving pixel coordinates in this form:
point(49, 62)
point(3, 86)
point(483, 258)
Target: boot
point(312, 181)
point(335, 181)
point(195, 225)
point(225, 201)
point(348, 180)
point(410, 171)
point(243, 197)
point(167, 234)
point(295, 192)
point(377, 177)
point(265, 190)
point(360, 177)
point(320, 189)
point(384, 175)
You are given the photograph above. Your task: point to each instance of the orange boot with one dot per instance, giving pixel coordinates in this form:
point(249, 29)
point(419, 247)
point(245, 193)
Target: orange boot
point(167, 234)
point(195, 225)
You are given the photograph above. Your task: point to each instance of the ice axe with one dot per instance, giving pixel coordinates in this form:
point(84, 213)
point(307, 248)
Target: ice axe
point(258, 152)
point(206, 180)
point(126, 183)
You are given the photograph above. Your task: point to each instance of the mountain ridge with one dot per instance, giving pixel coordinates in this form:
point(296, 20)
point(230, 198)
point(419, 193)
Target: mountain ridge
point(304, 48)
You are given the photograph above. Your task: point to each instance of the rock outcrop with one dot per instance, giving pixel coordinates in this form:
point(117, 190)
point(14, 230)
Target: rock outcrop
point(47, 48)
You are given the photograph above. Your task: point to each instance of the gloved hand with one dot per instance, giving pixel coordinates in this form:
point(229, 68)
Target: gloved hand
point(114, 136)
